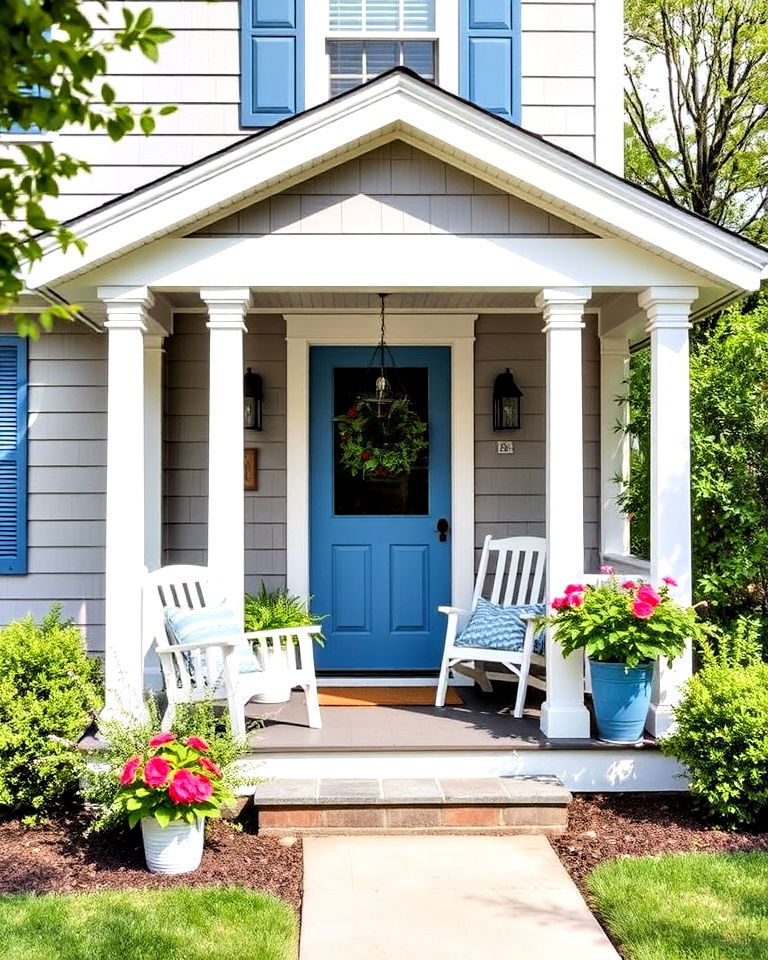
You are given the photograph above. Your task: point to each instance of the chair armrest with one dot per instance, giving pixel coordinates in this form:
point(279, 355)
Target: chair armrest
point(529, 617)
point(455, 611)
point(198, 645)
point(284, 632)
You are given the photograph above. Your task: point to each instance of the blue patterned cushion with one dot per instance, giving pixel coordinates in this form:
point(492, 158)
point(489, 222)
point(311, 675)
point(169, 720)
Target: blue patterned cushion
point(500, 628)
point(210, 623)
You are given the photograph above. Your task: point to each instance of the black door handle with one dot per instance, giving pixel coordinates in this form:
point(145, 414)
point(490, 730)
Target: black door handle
point(442, 528)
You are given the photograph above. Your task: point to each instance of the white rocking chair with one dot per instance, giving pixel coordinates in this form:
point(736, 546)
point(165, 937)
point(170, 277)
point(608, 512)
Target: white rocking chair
point(517, 580)
point(212, 668)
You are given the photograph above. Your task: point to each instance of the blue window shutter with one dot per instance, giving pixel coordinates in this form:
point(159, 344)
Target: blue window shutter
point(13, 455)
point(271, 61)
point(490, 55)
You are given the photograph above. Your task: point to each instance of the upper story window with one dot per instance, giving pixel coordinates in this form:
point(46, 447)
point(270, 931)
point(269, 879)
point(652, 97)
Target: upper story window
point(377, 36)
point(296, 54)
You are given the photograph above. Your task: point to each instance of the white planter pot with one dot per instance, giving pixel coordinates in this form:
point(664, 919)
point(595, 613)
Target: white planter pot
point(177, 848)
point(276, 687)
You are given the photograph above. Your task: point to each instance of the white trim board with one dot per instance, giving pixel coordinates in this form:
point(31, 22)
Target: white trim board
point(456, 331)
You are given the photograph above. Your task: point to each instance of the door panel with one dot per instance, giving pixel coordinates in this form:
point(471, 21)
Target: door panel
point(377, 566)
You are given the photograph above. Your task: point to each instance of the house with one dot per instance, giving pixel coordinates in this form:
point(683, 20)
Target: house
point(463, 157)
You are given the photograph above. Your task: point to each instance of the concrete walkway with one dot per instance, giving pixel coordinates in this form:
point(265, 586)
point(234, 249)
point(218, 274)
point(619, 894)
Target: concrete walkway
point(447, 898)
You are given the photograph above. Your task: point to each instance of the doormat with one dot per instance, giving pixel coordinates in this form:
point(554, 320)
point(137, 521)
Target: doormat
point(384, 697)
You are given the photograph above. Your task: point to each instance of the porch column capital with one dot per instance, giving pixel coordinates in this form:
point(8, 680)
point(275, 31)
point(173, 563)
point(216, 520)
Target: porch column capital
point(563, 307)
point(127, 307)
point(667, 307)
point(227, 306)
point(614, 347)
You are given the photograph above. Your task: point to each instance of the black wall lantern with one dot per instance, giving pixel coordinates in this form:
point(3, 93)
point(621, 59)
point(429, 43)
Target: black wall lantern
point(253, 394)
point(506, 402)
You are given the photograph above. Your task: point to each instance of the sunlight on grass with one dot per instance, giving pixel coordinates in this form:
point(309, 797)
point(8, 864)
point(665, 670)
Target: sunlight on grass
point(694, 906)
point(177, 924)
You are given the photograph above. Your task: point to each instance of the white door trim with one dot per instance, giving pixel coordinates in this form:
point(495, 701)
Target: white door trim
point(424, 330)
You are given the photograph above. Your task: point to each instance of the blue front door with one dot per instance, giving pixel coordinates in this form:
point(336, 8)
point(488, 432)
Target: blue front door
point(378, 567)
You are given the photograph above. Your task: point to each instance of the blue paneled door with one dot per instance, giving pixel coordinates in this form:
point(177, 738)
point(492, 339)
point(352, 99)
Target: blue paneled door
point(377, 564)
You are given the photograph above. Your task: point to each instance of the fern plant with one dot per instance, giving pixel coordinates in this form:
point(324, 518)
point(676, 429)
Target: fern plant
point(276, 609)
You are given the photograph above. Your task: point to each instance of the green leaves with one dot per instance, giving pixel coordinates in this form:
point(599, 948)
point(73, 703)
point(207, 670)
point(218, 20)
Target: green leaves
point(51, 61)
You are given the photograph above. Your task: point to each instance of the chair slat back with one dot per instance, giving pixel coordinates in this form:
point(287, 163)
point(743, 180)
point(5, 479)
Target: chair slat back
point(518, 574)
point(189, 588)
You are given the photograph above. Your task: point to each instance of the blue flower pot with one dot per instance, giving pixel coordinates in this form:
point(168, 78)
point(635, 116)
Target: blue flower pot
point(621, 696)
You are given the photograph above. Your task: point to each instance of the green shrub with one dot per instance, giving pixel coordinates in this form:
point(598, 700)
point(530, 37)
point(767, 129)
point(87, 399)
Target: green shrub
point(100, 788)
point(273, 609)
point(722, 739)
point(739, 644)
point(49, 689)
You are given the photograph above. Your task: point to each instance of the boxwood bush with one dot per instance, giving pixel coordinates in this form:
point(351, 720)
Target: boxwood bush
point(722, 740)
point(48, 690)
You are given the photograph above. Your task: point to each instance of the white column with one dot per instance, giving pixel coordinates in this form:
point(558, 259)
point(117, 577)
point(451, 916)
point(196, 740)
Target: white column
point(124, 563)
point(563, 713)
point(226, 501)
point(668, 310)
point(153, 452)
point(614, 444)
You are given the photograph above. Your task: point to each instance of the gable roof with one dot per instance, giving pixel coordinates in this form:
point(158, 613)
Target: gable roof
point(400, 105)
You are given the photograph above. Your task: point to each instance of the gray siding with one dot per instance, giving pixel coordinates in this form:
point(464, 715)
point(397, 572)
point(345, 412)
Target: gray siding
point(186, 449)
point(67, 482)
point(394, 189)
point(199, 71)
point(510, 488)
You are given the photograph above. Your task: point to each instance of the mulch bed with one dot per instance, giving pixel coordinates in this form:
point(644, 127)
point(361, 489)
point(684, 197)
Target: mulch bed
point(59, 858)
point(607, 826)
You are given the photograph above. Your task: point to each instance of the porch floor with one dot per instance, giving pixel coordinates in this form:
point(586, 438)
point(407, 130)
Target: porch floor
point(483, 722)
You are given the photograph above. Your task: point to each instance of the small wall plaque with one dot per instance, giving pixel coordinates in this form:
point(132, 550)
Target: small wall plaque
point(505, 446)
point(251, 470)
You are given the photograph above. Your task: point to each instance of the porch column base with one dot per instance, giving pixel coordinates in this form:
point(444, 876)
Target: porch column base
point(565, 722)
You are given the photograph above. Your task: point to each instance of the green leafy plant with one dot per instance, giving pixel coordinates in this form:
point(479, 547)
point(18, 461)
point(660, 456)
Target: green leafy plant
point(622, 621)
point(275, 609)
point(49, 691)
point(375, 446)
point(721, 737)
point(737, 645)
point(100, 787)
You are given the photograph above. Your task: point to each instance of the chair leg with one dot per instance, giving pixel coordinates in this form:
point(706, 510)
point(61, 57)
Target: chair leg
point(485, 684)
point(236, 707)
point(313, 706)
point(522, 689)
point(168, 717)
point(442, 683)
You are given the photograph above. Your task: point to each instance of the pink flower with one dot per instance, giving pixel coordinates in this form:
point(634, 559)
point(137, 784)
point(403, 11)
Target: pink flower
point(647, 594)
point(156, 771)
point(128, 774)
point(606, 568)
point(629, 585)
point(160, 738)
point(576, 599)
point(189, 787)
point(574, 588)
point(198, 744)
point(642, 610)
point(210, 766)
point(559, 602)
point(670, 581)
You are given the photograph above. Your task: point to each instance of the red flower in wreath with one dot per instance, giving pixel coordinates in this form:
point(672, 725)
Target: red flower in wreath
point(352, 413)
point(365, 455)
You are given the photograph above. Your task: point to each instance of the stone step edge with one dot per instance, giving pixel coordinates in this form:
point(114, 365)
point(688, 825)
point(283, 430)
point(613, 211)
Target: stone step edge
point(541, 791)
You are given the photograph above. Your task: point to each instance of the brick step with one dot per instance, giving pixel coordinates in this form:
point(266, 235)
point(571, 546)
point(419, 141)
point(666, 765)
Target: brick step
point(471, 805)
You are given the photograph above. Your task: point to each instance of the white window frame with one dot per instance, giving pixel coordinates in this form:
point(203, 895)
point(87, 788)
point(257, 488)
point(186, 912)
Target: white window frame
point(317, 33)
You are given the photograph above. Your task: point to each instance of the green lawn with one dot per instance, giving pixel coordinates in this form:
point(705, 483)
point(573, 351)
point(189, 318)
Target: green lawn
point(175, 924)
point(694, 906)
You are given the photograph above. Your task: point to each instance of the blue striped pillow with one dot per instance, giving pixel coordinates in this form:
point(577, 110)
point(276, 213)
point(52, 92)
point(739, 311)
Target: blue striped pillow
point(500, 628)
point(210, 623)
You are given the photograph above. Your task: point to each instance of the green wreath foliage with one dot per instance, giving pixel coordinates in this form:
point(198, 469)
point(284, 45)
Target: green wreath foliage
point(375, 447)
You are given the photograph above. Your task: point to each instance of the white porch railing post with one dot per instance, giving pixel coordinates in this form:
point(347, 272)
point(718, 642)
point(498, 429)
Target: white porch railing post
point(668, 310)
point(227, 308)
point(563, 713)
point(153, 451)
point(124, 562)
point(614, 445)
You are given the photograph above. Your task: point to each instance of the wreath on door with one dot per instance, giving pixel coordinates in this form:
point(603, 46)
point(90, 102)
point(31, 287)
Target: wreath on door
point(380, 441)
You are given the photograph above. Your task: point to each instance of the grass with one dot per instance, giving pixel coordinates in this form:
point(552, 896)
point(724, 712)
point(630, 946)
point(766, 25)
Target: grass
point(694, 906)
point(175, 924)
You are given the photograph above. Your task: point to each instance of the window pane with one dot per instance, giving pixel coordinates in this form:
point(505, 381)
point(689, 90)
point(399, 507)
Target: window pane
point(382, 15)
point(346, 15)
point(342, 84)
point(420, 57)
point(346, 57)
point(381, 57)
point(418, 15)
